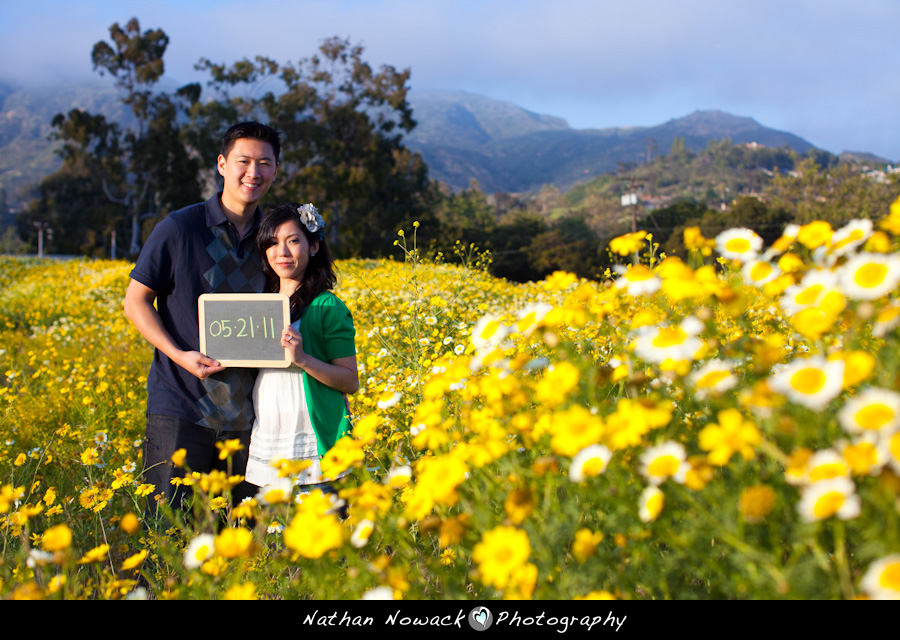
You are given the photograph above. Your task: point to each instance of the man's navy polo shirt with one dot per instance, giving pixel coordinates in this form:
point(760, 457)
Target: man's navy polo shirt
point(192, 251)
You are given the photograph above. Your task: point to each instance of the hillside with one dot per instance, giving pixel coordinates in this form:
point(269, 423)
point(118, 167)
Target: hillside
point(461, 136)
point(508, 149)
point(26, 153)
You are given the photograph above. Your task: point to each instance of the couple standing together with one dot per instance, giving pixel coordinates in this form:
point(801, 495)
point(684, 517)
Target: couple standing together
point(225, 245)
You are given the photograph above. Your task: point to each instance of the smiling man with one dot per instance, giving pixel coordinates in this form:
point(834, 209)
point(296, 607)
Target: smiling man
point(193, 402)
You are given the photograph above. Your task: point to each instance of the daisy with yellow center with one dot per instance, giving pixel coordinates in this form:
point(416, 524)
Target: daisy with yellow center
point(713, 378)
point(758, 273)
point(199, 550)
point(818, 288)
point(893, 448)
point(399, 476)
point(279, 492)
point(887, 319)
point(829, 498)
point(788, 237)
point(812, 382)
point(651, 504)
point(827, 464)
point(873, 410)
point(589, 462)
point(851, 236)
point(489, 331)
point(869, 276)
point(361, 533)
point(638, 280)
point(738, 244)
point(664, 461)
point(663, 343)
point(882, 579)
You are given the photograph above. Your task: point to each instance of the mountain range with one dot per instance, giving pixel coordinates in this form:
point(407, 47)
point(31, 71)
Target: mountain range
point(462, 137)
point(506, 148)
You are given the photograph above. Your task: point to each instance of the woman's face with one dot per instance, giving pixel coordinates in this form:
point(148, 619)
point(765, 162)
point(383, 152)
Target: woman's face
point(289, 255)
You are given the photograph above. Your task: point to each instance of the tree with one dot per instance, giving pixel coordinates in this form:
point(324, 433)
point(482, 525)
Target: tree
point(145, 169)
point(342, 126)
point(836, 194)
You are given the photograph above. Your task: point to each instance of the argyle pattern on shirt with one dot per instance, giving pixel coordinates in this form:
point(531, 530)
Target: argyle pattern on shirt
point(230, 273)
point(227, 392)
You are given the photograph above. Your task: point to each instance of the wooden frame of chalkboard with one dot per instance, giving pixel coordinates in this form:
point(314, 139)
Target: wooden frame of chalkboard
point(244, 329)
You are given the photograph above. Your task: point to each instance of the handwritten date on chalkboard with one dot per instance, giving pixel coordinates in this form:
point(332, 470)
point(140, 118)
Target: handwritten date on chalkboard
point(244, 329)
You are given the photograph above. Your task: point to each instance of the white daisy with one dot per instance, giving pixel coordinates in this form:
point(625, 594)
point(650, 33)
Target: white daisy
point(590, 461)
point(811, 291)
point(664, 461)
point(398, 476)
point(199, 550)
point(834, 497)
point(812, 382)
point(278, 492)
point(639, 280)
point(873, 410)
point(714, 377)
point(852, 235)
point(651, 504)
point(739, 244)
point(869, 276)
point(886, 320)
point(488, 332)
point(757, 273)
point(882, 579)
point(388, 399)
point(663, 342)
point(827, 464)
point(361, 533)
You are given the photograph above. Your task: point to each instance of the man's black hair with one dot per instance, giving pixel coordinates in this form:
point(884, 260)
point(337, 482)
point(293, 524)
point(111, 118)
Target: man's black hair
point(254, 131)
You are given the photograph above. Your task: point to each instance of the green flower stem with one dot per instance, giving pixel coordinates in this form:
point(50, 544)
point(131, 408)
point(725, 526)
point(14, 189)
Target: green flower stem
point(840, 557)
point(737, 544)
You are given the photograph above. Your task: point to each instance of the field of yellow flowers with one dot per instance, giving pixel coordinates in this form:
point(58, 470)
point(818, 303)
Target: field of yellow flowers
point(722, 427)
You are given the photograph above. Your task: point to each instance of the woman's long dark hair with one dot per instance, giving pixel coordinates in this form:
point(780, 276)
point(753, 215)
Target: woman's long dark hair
point(319, 275)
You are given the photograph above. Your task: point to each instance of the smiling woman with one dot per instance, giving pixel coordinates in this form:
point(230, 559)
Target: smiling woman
point(301, 412)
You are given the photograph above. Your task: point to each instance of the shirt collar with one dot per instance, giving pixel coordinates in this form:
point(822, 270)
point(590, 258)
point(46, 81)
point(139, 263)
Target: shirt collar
point(215, 216)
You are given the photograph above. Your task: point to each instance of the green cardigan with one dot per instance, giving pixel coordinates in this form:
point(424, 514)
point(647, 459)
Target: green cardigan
point(328, 334)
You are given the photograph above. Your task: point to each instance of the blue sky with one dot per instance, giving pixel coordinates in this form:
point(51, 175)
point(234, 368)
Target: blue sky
point(826, 70)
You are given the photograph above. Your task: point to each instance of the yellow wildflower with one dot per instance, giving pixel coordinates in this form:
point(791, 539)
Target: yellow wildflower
point(756, 502)
point(732, 434)
point(500, 553)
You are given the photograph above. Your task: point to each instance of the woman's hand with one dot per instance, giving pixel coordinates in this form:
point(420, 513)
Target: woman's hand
point(340, 374)
point(293, 342)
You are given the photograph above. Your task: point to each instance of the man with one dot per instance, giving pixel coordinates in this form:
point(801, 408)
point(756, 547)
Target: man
point(194, 402)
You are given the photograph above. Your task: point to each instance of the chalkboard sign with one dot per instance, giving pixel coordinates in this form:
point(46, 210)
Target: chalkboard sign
point(244, 329)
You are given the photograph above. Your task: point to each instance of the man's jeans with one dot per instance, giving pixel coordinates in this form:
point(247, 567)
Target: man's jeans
point(165, 435)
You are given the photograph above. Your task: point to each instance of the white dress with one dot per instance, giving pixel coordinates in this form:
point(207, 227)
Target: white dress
point(282, 430)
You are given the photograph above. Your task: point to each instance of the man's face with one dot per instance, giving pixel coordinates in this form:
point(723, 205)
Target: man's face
point(249, 171)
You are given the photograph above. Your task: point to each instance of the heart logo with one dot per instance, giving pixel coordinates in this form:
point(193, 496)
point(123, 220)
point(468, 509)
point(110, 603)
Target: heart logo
point(481, 617)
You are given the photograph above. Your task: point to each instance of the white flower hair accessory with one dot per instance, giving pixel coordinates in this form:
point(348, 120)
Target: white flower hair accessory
point(312, 219)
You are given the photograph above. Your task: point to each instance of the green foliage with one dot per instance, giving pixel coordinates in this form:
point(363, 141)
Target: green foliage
point(143, 170)
point(342, 126)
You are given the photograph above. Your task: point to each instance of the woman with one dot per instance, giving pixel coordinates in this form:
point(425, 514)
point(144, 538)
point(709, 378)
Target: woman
point(301, 411)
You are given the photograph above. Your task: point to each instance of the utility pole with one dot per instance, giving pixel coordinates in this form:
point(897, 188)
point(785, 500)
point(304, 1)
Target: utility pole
point(41, 227)
point(631, 199)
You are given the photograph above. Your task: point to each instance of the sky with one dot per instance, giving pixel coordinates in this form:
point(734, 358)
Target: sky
point(826, 70)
